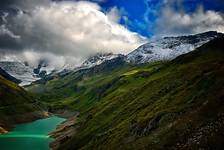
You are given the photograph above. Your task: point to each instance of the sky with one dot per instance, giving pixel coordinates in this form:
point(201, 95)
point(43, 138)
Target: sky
point(143, 16)
point(69, 31)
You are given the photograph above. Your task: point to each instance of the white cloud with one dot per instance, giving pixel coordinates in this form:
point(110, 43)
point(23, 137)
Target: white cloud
point(72, 29)
point(172, 22)
point(53, 61)
point(114, 14)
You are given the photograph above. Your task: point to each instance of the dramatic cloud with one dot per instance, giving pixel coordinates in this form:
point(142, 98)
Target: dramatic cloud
point(173, 22)
point(69, 29)
point(72, 30)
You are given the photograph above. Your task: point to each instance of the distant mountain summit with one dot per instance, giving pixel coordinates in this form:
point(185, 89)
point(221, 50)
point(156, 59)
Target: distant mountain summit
point(24, 72)
point(99, 58)
point(168, 48)
point(20, 71)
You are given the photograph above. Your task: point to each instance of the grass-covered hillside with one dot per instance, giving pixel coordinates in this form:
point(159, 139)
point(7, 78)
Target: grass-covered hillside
point(164, 105)
point(16, 105)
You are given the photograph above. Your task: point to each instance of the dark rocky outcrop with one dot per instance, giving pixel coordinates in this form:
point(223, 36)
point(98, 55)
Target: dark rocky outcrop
point(9, 77)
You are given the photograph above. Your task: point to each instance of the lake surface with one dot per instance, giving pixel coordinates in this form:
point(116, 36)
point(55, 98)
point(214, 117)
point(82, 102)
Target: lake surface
point(30, 136)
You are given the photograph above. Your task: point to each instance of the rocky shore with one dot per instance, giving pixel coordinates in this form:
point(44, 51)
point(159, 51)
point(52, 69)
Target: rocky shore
point(65, 130)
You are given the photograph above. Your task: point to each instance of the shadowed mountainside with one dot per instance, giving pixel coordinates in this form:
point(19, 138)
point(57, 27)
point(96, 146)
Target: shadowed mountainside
point(16, 105)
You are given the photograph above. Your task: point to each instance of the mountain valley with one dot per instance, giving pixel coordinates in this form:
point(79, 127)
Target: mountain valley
point(146, 106)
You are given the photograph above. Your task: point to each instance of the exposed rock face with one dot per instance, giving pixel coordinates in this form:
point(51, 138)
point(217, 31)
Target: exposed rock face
point(64, 131)
point(9, 77)
point(143, 130)
point(204, 134)
point(3, 131)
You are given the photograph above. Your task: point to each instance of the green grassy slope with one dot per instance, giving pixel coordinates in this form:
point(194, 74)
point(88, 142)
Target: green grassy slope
point(16, 105)
point(173, 105)
point(82, 88)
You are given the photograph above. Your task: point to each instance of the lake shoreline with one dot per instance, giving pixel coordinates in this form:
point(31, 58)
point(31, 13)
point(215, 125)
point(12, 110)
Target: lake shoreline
point(62, 132)
point(9, 125)
point(32, 134)
point(65, 130)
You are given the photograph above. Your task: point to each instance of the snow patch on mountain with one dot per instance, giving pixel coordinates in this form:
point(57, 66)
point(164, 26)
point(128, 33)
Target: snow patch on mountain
point(168, 48)
point(29, 73)
point(98, 59)
point(20, 71)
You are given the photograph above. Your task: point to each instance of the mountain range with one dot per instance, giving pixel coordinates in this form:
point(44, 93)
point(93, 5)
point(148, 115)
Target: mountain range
point(162, 49)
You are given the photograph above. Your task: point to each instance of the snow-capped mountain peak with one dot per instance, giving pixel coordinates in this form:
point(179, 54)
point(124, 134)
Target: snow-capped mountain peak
point(25, 72)
point(98, 59)
point(20, 71)
point(169, 47)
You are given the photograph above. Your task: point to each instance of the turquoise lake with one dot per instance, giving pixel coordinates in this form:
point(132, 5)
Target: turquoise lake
point(30, 136)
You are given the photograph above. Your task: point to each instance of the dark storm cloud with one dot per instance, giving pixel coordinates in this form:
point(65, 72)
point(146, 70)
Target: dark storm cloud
point(6, 3)
point(21, 4)
point(9, 43)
